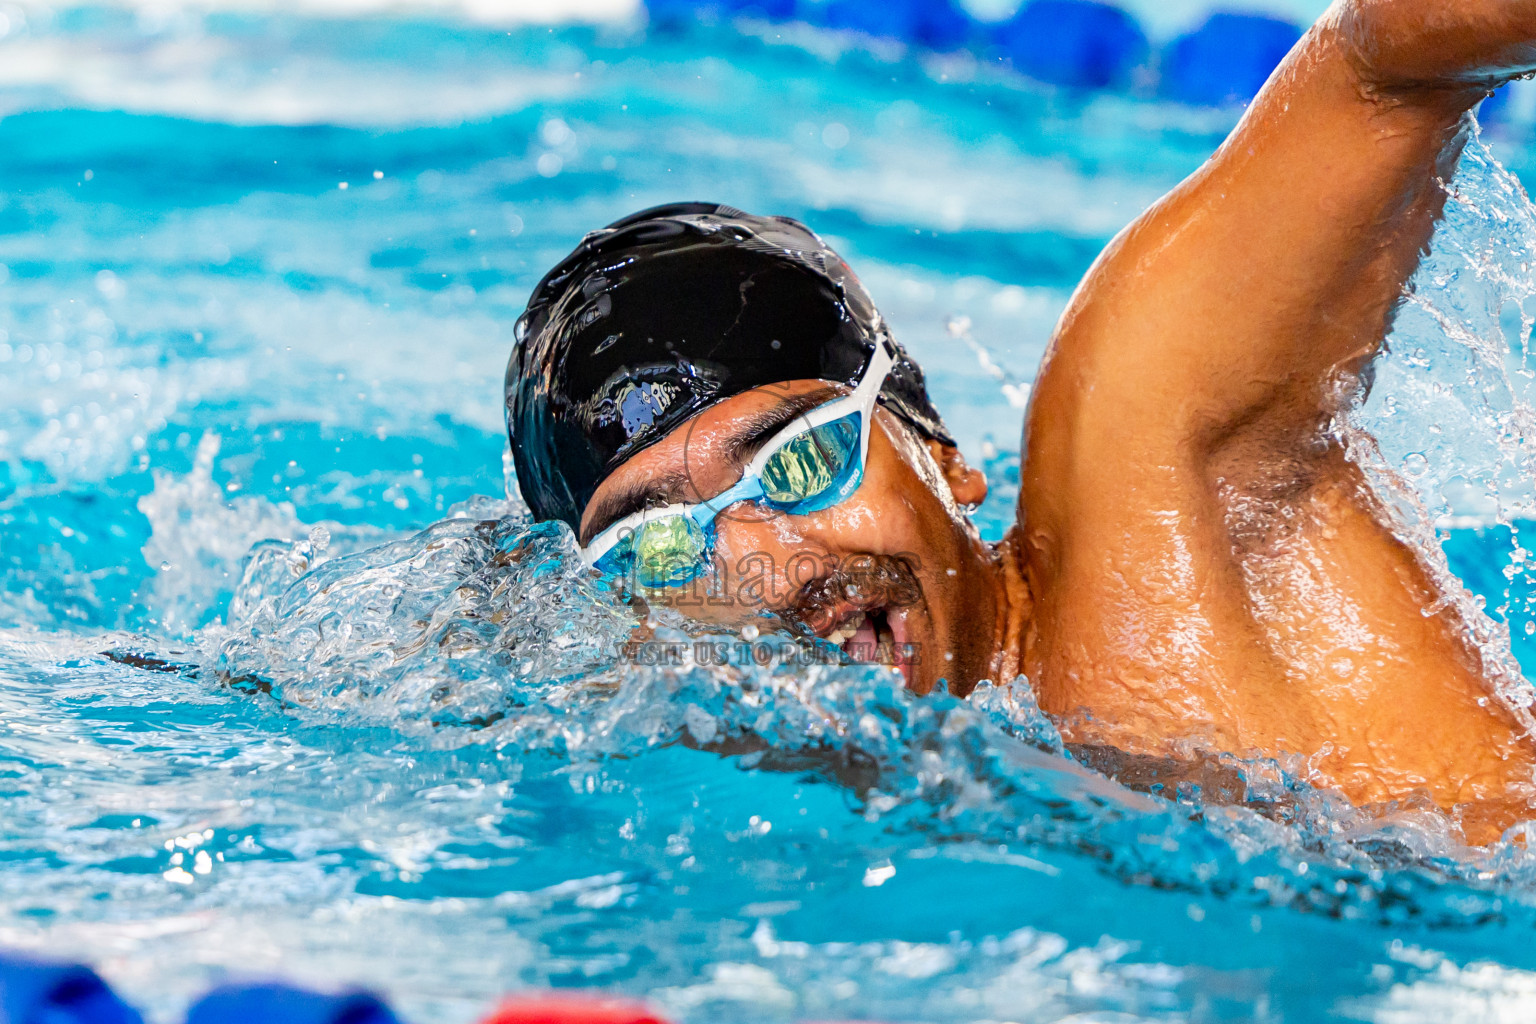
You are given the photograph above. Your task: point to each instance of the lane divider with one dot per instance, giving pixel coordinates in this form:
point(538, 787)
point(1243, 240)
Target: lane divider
point(1076, 44)
point(284, 1004)
point(570, 1009)
point(933, 24)
point(34, 990)
point(1226, 59)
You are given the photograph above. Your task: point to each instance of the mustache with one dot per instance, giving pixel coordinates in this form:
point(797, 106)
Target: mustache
point(861, 583)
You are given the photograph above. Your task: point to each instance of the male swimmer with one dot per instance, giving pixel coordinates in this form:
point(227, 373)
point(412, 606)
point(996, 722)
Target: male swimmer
point(709, 399)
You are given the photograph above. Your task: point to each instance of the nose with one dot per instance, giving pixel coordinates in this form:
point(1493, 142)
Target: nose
point(770, 555)
point(782, 562)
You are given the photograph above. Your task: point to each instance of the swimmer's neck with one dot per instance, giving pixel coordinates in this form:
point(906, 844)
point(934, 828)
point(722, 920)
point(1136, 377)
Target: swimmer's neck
point(1014, 630)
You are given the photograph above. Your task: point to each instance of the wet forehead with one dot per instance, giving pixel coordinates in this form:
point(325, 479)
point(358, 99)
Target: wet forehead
point(702, 456)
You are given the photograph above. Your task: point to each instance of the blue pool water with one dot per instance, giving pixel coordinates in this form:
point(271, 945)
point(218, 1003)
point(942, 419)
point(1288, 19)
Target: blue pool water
point(290, 687)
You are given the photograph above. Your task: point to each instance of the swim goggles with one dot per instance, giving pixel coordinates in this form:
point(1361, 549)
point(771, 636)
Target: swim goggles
point(812, 464)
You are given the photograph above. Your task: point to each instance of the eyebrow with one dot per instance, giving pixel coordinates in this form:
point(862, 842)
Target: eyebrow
point(744, 441)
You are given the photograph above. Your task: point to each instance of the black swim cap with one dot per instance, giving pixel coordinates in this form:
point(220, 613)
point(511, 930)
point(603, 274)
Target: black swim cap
point(665, 313)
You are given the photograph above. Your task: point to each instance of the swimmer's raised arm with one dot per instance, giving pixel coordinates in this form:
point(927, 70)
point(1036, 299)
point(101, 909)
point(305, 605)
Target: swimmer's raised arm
point(1205, 564)
point(1221, 316)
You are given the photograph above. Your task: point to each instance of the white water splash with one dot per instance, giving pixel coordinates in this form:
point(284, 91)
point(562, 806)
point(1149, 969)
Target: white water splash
point(1448, 431)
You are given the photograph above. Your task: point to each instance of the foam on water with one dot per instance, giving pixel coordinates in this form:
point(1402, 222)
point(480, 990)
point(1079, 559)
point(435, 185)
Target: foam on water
point(290, 686)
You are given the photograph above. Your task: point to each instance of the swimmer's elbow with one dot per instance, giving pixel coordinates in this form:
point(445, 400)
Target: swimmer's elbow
point(1402, 47)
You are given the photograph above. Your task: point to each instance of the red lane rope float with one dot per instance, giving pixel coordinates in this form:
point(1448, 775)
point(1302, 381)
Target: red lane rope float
point(568, 1009)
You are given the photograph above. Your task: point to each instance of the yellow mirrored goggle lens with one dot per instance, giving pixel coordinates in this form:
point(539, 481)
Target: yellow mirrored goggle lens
point(668, 552)
point(807, 465)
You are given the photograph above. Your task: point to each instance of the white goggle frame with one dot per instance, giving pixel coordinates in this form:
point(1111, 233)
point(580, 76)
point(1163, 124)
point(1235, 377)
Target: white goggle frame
point(749, 488)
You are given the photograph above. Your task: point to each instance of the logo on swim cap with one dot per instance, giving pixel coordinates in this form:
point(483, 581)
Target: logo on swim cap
point(641, 405)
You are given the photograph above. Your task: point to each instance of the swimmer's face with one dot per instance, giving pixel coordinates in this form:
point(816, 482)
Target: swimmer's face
point(895, 574)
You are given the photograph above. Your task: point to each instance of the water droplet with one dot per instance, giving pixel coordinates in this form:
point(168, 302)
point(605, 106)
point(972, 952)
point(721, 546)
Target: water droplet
point(555, 132)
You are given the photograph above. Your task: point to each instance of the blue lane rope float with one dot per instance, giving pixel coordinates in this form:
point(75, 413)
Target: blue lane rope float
point(45, 992)
point(669, 13)
point(933, 24)
point(1080, 44)
point(282, 1004)
point(1083, 44)
point(1227, 59)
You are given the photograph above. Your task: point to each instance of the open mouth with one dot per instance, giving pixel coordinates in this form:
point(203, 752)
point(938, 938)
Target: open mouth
point(873, 636)
point(864, 613)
